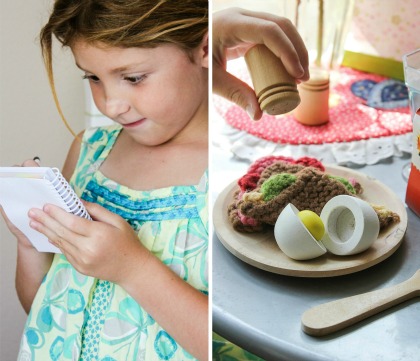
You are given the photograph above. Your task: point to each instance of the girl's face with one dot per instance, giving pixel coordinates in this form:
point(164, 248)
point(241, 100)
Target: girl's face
point(156, 94)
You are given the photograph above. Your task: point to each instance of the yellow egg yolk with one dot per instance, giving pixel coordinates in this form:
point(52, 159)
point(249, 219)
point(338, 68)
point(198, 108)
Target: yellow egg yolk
point(313, 223)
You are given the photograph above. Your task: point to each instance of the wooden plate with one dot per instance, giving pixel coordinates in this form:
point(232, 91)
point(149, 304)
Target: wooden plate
point(260, 249)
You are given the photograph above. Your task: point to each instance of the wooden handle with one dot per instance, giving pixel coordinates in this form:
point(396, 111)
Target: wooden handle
point(266, 69)
point(333, 316)
point(275, 88)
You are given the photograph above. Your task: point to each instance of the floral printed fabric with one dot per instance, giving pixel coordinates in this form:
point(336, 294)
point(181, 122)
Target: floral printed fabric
point(78, 317)
point(224, 350)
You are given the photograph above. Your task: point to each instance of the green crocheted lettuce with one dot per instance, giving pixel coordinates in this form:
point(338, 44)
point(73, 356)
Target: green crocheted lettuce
point(345, 182)
point(274, 185)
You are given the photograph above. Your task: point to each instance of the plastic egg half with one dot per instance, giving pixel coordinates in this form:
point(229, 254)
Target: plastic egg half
point(293, 238)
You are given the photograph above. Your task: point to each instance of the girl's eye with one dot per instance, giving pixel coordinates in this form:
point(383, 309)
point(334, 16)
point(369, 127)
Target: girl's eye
point(92, 78)
point(135, 79)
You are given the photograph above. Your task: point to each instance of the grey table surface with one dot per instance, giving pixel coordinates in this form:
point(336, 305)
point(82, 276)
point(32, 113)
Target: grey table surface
point(261, 311)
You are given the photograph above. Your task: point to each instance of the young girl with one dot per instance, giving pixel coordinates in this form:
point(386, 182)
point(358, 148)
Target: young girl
point(132, 283)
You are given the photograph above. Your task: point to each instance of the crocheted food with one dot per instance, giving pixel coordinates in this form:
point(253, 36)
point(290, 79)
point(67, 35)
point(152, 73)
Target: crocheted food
point(273, 182)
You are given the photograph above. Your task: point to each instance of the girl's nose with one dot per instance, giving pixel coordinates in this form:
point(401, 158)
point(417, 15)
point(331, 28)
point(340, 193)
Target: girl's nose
point(115, 107)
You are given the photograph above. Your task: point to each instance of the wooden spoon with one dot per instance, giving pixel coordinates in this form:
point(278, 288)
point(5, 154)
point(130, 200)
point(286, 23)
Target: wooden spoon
point(333, 316)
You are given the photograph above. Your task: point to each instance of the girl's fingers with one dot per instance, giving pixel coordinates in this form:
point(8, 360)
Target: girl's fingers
point(57, 235)
point(78, 225)
point(101, 214)
point(277, 33)
point(284, 42)
point(299, 46)
point(30, 163)
point(68, 248)
point(236, 91)
point(55, 223)
point(288, 28)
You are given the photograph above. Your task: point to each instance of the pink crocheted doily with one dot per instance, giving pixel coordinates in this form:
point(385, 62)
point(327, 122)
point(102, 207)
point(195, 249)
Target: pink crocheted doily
point(351, 119)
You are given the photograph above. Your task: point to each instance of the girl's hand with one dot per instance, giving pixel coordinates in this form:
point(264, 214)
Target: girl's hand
point(31, 265)
point(234, 32)
point(106, 248)
point(21, 238)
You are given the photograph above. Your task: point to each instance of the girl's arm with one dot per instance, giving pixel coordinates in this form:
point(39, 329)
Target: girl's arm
point(32, 266)
point(179, 308)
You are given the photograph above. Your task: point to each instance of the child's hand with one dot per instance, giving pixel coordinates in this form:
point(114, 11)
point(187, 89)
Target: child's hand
point(21, 238)
point(106, 248)
point(237, 30)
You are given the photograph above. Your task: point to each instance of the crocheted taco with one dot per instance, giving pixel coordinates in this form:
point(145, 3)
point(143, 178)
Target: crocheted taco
point(273, 182)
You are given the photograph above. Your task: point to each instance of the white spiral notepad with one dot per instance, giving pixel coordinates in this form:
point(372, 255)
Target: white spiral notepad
point(23, 188)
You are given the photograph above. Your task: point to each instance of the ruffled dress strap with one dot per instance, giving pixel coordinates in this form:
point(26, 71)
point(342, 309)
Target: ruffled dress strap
point(91, 157)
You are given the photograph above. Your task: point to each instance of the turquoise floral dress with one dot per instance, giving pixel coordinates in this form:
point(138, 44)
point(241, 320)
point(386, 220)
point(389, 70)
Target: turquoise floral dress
point(75, 317)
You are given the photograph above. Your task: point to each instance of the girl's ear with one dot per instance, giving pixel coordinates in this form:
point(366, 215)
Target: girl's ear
point(204, 51)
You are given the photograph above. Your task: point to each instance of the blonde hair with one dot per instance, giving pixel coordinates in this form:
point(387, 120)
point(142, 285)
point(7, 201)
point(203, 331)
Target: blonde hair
point(124, 24)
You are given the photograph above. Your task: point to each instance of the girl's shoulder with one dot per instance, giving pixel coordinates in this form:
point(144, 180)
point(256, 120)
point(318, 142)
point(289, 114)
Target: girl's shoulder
point(98, 141)
point(102, 134)
point(96, 144)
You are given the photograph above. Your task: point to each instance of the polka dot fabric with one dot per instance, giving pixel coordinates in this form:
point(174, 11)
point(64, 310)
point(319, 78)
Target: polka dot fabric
point(350, 118)
point(95, 321)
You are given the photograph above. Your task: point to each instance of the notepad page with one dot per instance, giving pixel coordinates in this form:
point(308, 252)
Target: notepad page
point(26, 172)
point(32, 193)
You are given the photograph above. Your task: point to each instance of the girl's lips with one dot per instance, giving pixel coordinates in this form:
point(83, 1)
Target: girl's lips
point(134, 124)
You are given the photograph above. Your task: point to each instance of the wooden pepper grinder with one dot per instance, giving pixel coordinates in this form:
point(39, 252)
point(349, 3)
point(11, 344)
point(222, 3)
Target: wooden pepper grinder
point(276, 90)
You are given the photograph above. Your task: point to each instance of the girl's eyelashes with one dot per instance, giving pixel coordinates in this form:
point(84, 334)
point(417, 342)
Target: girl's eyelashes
point(92, 78)
point(132, 79)
point(135, 79)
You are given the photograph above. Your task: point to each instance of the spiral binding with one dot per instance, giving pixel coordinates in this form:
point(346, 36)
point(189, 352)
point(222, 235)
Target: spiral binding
point(68, 195)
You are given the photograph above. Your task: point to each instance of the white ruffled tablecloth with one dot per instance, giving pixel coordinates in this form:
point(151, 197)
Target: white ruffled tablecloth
point(248, 147)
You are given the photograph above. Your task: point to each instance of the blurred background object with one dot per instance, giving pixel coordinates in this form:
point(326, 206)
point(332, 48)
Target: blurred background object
point(411, 171)
point(323, 25)
point(381, 32)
